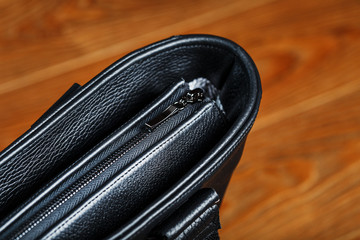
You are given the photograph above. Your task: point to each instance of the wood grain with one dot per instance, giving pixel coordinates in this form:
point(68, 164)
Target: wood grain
point(299, 176)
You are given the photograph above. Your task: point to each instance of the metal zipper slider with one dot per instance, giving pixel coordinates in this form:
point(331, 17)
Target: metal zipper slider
point(193, 96)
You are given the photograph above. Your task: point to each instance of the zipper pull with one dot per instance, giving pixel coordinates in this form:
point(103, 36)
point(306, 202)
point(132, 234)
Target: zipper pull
point(193, 96)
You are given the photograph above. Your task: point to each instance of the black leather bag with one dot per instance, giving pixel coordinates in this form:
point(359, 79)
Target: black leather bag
point(144, 150)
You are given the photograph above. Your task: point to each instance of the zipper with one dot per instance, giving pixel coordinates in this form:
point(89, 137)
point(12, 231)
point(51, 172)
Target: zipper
point(196, 95)
point(192, 96)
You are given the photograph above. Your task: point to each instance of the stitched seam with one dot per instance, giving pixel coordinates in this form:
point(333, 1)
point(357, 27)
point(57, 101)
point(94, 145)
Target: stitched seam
point(59, 195)
point(145, 61)
point(130, 68)
point(125, 173)
point(26, 150)
point(206, 176)
point(150, 58)
point(112, 134)
point(111, 67)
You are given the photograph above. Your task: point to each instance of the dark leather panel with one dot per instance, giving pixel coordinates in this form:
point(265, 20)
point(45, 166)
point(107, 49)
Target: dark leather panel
point(95, 111)
point(130, 190)
point(240, 94)
point(86, 191)
point(92, 158)
point(107, 102)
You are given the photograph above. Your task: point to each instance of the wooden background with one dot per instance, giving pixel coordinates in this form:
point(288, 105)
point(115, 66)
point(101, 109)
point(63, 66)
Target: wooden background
point(300, 174)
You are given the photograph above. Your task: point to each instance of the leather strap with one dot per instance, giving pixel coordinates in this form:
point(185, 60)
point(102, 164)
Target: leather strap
point(197, 219)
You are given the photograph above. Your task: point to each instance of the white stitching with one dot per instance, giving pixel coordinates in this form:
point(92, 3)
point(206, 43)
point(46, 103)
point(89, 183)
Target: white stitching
point(54, 231)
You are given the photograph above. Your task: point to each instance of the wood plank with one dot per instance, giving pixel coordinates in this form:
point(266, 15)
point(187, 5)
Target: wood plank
point(298, 178)
point(301, 183)
point(104, 34)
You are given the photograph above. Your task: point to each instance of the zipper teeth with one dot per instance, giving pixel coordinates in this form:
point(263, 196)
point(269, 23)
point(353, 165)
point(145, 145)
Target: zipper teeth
point(190, 97)
point(81, 183)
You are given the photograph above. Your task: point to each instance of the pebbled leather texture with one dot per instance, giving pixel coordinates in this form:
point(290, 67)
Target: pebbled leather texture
point(63, 99)
point(90, 160)
point(130, 190)
point(240, 94)
point(78, 125)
